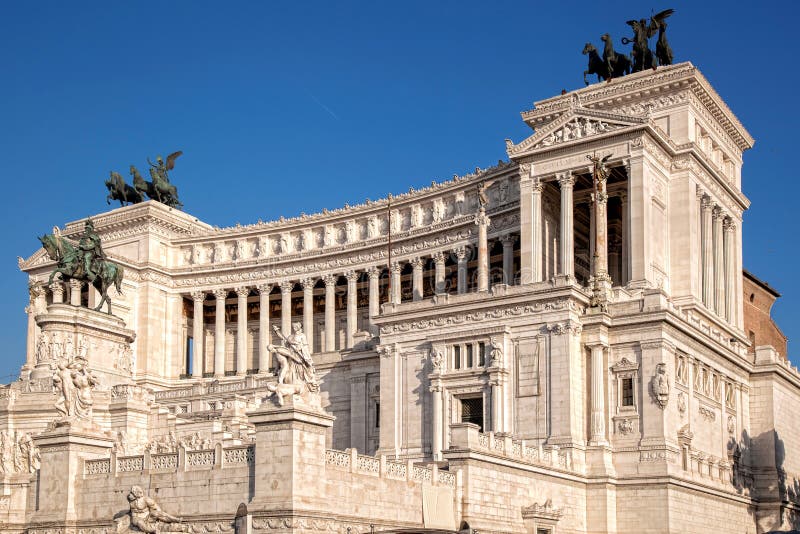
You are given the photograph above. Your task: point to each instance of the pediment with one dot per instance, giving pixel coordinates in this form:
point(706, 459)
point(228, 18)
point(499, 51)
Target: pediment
point(38, 258)
point(575, 125)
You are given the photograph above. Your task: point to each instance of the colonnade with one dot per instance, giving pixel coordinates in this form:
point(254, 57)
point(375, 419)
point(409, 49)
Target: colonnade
point(717, 258)
point(329, 335)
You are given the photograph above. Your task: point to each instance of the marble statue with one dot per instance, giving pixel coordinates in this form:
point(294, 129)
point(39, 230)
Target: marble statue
point(495, 352)
point(437, 359)
point(146, 515)
point(661, 385)
point(294, 358)
point(74, 383)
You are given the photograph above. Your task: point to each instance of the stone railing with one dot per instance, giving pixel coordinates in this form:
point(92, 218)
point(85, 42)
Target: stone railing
point(467, 435)
point(183, 460)
point(350, 460)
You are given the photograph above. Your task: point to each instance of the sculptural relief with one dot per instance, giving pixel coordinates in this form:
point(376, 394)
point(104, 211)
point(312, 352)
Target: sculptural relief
point(145, 515)
point(73, 382)
point(660, 385)
point(437, 359)
point(296, 373)
point(18, 453)
point(495, 352)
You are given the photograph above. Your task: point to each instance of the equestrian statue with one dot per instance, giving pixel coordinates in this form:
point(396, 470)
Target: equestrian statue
point(85, 262)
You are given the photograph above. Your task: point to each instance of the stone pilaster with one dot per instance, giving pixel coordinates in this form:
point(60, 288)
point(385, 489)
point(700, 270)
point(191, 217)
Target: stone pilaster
point(308, 310)
point(264, 334)
point(461, 256)
point(624, 271)
point(396, 295)
point(198, 334)
point(436, 408)
point(352, 304)
point(416, 278)
point(219, 332)
point(286, 307)
point(531, 225)
point(598, 396)
point(241, 330)
point(567, 247)
point(439, 272)
point(330, 312)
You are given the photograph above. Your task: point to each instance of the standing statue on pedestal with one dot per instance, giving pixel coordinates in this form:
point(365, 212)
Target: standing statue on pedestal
point(295, 368)
point(86, 263)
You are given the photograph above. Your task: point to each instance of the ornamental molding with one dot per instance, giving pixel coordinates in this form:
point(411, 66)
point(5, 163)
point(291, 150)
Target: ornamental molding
point(480, 316)
point(731, 199)
point(578, 124)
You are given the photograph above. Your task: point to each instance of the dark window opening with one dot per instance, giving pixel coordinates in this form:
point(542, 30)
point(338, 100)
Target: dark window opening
point(481, 354)
point(627, 391)
point(189, 355)
point(456, 357)
point(469, 357)
point(472, 411)
point(377, 415)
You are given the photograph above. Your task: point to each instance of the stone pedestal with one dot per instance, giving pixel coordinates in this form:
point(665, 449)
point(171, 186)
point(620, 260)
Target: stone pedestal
point(290, 455)
point(69, 332)
point(63, 451)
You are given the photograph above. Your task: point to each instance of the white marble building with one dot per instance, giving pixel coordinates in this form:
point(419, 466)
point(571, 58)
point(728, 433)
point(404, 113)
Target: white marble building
point(468, 378)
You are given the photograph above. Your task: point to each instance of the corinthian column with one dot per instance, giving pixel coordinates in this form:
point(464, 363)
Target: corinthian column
point(330, 312)
point(264, 334)
point(57, 289)
point(241, 330)
point(730, 280)
point(707, 252)
point(598, 428)
point(536, 231)
point(567, 181)
point(352, 303)
point(308, 311)
point(374, 298)
point(508, 258)
point(719, 273)
point(74, 292)
point(439, 261)
point(219, 332)
point(416, 278)
point(482, 220)
point(286, 307)
point(461, 255)
point(396, 295)
point(198, 332)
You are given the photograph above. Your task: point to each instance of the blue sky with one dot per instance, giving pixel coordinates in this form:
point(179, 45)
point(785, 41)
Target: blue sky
point(288, 107)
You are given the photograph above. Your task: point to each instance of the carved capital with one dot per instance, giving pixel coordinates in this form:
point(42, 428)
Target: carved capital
point(525, 170)
point(536, 184)
point(508, 240)
point(565, 180)
point(308, 284)
point(729, 225)
point(198, 296)
point(373, 273)
point(352, 276)
point(286, 286)
point(330, 280)
point(717, 214)
point(264, 289)
point(481, 219)
point(242, 292)
point(395, 267)
point(461, 253)
point(220, 294)
point(417, 263)
point(706, 203)
point(439, 257)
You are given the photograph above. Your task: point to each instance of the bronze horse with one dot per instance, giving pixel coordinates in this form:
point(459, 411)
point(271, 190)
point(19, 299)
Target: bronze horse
point(69, 264)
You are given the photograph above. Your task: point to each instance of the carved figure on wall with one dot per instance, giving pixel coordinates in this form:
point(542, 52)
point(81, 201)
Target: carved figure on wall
point(437, 359)
point(495, 352)
point(6, 452)
point(74, 383)
point(146, 515)
point(294, 359)
point(660, 385)
point(43, 348)
point(372, 227)
point(18, 453)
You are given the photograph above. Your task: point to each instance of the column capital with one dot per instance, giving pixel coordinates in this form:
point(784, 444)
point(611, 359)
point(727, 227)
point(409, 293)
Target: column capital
point(699, 192)
point(718, 213)
point(565, 179)
point(729, 225)
point(264, 289)
point(242, 292)
point(508, 240)
point(525, 171)
point(286, 286)
point(417, 263)
point(374, 272)
point(308, 284)
point(461, 253)
point(198, 296)
point(481, 219)
point(352, 276)
point(220, 294)
point(330, 279)
point(706, 203)
point(439, 257)
point(395, 267)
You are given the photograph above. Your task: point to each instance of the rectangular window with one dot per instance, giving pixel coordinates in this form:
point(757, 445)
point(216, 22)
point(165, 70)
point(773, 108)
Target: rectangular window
point(627, 391)
point(472, 411)
point(377, 415)
point(456, 357)
point(469, 356)
point(541, 530)
point(481, 354)
point(189, 355)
